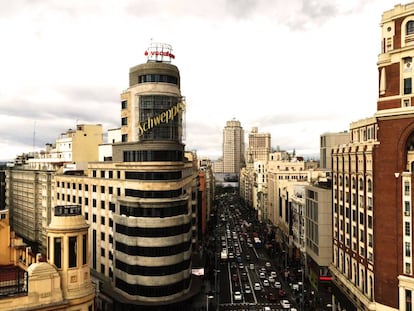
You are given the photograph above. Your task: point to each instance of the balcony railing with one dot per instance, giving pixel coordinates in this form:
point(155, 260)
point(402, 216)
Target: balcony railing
point(13, 281)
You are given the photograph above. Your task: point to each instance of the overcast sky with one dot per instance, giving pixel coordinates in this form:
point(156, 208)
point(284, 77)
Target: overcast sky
point(295, 69)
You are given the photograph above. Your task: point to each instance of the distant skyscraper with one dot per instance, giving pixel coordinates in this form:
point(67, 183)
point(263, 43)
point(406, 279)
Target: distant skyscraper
point(233, 147)
point(372, 185)
point(259, 146)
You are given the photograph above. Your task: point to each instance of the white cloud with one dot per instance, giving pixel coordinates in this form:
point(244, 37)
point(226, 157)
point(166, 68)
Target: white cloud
point(295, 69)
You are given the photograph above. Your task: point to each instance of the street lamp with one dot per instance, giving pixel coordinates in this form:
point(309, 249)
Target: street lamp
point(208, 297)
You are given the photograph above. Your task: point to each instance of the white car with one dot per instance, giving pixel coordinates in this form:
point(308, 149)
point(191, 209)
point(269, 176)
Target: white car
point(262, 275)
point(247, 289)
point(273, 274)
point(237, 296)
point(272, 279)
point(278, 285)
point(266, 283)
point(257, 286)
point(285, 304)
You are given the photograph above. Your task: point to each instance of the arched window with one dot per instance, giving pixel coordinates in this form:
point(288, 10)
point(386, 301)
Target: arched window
point(369, 185)
point(409, 28)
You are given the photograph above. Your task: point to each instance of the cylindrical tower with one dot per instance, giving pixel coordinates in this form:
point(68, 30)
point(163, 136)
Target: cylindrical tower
point(68, 249)
point(152, 219)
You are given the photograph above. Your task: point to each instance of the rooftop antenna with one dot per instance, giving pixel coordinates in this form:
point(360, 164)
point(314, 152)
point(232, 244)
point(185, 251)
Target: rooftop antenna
point(34, 136)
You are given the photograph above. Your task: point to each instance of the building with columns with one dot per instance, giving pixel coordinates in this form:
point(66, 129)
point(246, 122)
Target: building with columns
point(59, 282)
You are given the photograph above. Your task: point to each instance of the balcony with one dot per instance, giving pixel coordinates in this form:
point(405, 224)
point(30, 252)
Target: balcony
point(13, 281)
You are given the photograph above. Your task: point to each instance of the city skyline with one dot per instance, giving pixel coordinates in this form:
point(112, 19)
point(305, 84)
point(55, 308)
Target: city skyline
point(66, 65)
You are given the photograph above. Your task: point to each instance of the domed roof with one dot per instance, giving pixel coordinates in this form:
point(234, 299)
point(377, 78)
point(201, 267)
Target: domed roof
point(40, 269)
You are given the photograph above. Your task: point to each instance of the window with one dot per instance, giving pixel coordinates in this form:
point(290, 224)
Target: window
point(408, 249)
point(407, 86)
point(407, 228)
point(72, 251)
point(124, 121)
point(406, 188)
point(410, 28)
point(124, 104)
point(58, 252)
point(84, 249)
point(407, 208)
point(124, 138)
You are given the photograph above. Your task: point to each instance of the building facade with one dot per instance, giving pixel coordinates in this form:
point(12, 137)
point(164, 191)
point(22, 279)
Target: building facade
point(372, 180)
point(142, 205)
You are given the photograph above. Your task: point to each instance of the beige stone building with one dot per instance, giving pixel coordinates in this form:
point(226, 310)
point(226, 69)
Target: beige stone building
point(29, 183)
point(62, 282)
point(328, 141)
point(141, 203)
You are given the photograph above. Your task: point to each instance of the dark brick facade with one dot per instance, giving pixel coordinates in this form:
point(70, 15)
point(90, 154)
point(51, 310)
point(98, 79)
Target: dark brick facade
point(389, 157)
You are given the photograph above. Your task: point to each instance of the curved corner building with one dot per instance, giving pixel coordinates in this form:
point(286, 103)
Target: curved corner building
point(153, 212)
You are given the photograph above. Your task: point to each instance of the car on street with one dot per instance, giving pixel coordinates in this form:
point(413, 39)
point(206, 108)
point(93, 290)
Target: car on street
point(272, 297)
point(244, 276)
point(282, 293)
point(266, 283)
point(241, 266)
point(268, 265)
point(272, 279)
point(262, 275)
point(251, 266)
point(285, 304)
point(273, 274)
point(235, 277)
point(247, 289)
point(237, 296)
point(257, 286)
point(278, 285)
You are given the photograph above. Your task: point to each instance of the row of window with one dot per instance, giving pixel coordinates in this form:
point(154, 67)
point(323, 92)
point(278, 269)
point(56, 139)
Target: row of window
point(72, 245)
point(153, 251)
point(157, 78)
point(153, 156)
point(153, 291)
point(153, 270)
point(153, 232)
point(169, 211)
point(153, 175)
point(155, 194)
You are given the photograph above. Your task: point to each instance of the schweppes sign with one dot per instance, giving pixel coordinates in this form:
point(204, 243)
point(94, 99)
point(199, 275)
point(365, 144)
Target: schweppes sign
point(164, 117)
